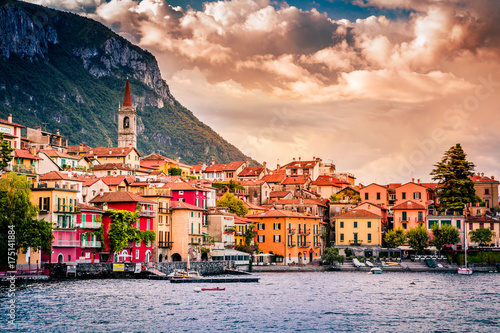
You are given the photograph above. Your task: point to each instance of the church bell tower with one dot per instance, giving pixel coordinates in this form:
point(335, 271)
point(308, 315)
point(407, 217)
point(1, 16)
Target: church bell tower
point(127, 120)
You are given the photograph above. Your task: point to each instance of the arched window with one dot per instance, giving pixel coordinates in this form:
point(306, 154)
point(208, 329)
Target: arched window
point(126, 122)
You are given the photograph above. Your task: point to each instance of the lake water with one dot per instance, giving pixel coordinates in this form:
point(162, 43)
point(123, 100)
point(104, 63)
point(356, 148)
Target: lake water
point(291, 302)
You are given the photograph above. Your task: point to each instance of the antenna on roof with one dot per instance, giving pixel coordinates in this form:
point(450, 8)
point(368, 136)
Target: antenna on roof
point(44, 127)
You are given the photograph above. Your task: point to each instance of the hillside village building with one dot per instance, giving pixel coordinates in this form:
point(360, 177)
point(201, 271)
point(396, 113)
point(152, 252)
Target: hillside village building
point(127, 121)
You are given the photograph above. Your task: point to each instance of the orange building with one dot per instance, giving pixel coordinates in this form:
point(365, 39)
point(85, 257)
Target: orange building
point(409, 214)
point(295, 236)
point(375, 194)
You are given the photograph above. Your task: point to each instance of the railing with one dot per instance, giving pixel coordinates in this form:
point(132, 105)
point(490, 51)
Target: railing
point(305, 232)
point(23, 169)
point(65, 209)
point(90, 244)
point(163, 210)
point(65, 225)
point(66, 243)
point(229, 230)
point(89, 225)
point(167, 245)
point(304, 244)
point(317, 233)
point(355, 242)
point(148, 213)
point(291, 244)
point(291, 231)
point(316, 245)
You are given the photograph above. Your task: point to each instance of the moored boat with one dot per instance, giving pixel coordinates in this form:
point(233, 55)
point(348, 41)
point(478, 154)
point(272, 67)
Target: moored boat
point(376, 270)
point(212, 289)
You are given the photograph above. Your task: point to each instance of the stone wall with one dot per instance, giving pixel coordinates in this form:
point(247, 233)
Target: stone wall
point(203, 267)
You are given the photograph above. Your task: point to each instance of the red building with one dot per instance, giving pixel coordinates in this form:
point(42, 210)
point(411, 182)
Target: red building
point(135, 251)
point(88, 223)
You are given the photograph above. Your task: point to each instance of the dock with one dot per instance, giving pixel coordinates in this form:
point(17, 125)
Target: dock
point(206, 280)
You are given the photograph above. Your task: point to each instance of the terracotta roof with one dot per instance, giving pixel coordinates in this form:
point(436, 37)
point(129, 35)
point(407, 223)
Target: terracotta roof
point(111, 166)
point(301, 201)
point(279, 194)
point(127, 99)
point(295, 180)
point(113, 151)
point(90, 182)
point(375, 184)
point(158, 157)
point(327, 181)
point(358, 213)
point(184, 187)
point(56, 175)
point(481, 219)
point(182, 205)
point(82, 206)
point(408, 205)
point(254, 207)
point(55, 153)
point(481, 178)
point(138, 184)
point(232, 166)
point(393, 185)
point(251, 171)
point(3, 121)
point(251, 182)
point(196, 168)
point(79, 149)
point(116, 180)
point(24, 153)
point(274, 177)
point(242, 220)
point(120, 197)
point(430, 185)
point(281, 213)
point(370, 203)
point(152, 163)
point(300, 164)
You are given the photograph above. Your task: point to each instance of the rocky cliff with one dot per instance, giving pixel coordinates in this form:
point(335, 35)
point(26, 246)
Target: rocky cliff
point(66, 72)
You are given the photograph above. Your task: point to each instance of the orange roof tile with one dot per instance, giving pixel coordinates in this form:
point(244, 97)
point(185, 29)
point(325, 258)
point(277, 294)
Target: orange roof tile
point(112, 151)
point(183, 205)
point(55, 153)
point(251, 171)
point(57, 175)
point(327, 181)
point(279, 194)
point(295, 180)
point(116, 180)
point(280, 213)
point(24, 153)
point(120, 197)
point(300, 164)
point(232, 166)
point(6, 122)
point(111, 166)
point(408, 205)
point(85, 207)
point(476, 178)
point(358, 213)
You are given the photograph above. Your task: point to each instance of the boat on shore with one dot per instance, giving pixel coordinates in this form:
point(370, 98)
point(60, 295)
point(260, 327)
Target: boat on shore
point(376, 270)
point(184, 273)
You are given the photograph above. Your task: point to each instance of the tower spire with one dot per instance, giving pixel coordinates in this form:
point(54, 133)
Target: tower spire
point(127, 99)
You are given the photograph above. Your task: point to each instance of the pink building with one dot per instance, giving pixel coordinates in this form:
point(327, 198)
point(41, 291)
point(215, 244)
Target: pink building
point(375, 194)
point(88, 222)
point(409, 214)
point(135, 251)
point(420, 193)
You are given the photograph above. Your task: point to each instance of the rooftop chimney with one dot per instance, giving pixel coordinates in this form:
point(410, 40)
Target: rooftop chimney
point(413, 180)
point(299, 158)
point(213, 161)
point(39, 128)
point(418, 181)
point(57, 132)
point(9, 118)
point(101, 192)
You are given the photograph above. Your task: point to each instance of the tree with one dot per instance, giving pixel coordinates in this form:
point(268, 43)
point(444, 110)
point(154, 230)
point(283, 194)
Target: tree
point(455, 189)
point(17, 213)
point(235, 205)
point(418, 238)
point(395, 237)
point(174, 172)
point(122, 231)
point(5, 153)
point(332, 255)
point(444, 235)
point(481, 236)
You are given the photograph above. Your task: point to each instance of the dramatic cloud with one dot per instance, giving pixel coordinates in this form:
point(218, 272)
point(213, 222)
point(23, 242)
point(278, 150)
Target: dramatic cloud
point(381, 97)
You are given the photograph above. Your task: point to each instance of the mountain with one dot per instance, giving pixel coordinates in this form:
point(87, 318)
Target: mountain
point(62, 71)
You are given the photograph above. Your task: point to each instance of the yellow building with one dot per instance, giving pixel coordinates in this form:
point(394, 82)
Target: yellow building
point(163, 163)
point(254, 209)
point(358, 227)
point(241, 226)
point(295, 236)
point(25, 163)
point(476, 222)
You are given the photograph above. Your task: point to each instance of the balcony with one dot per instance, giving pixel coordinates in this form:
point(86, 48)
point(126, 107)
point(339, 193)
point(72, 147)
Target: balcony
point(90, 245)
point(291, 231)
point(26, 169)
point(147, 213)
point(317, 233)
point(65, 209)
point(317, 245)
point(167, 245)
point(89, 225)
point(163, 210)
point(229, 230)
point(66, 243)
point(305, 232)
point(65, 225)
point(356, 242)
point(291, 244)
point(304, 244)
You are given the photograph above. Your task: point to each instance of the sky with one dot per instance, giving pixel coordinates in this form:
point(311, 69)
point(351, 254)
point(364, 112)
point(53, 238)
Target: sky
point(381, 88)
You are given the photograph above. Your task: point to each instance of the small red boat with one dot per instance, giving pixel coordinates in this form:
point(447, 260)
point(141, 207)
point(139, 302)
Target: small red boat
point(212, 289)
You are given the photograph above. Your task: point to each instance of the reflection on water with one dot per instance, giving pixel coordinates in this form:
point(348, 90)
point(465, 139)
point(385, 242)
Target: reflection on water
point(296, 302)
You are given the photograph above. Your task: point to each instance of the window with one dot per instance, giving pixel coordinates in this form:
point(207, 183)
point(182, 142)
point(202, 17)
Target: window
point(199, 214)
point(126, 122)
point(431, 223)
point(459, 224)
point(148, 244)
point(341, 237)
point(136, 254)
point(446, 222)
point(277, 238)
point(261, 226)
point(378, 195)
point(486, 191)
point(277, 226)
point(420, 216)
point(147, 225)
point(492, 226)
point(471, 227)
point(416, 195)
point(192, 214)
point(481, 225)
point(369, 238)
point(405, 216)
point(404, 195)
point(341, 224)
point(369, 224)
point(138, 225)
point(181, 192)
point(137, 243)
point(261, 238)
point(405, 226)
point(366, 196)
point(355, 224)
point(192, 228)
